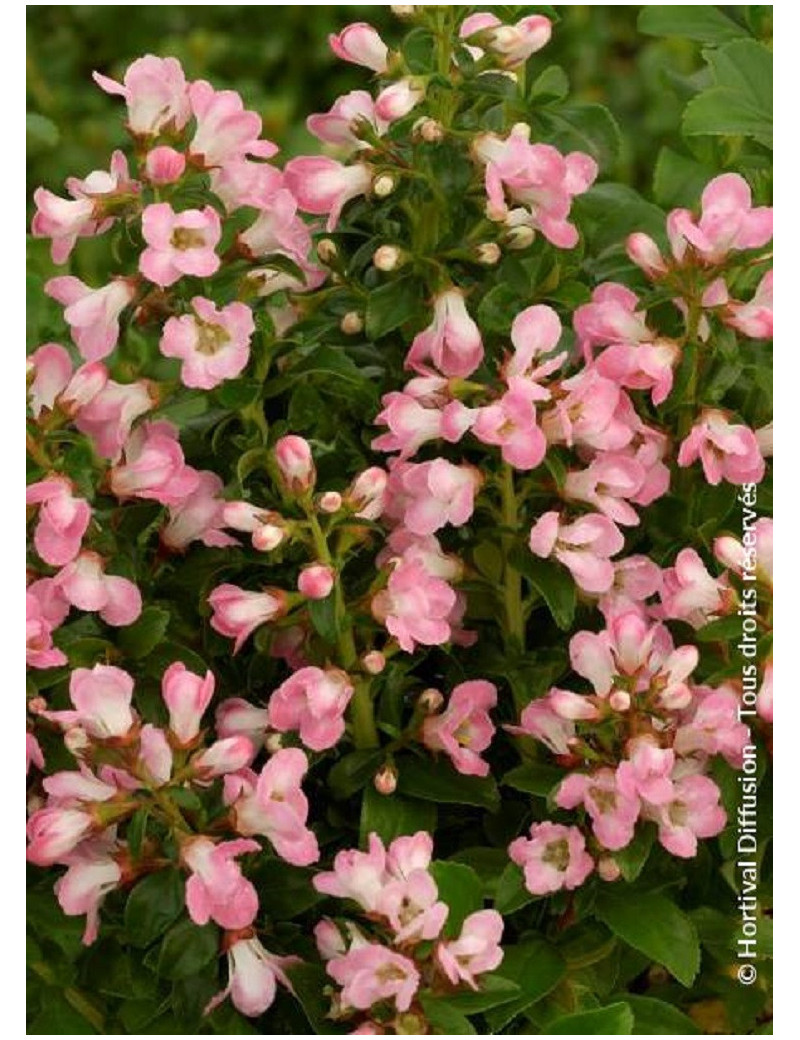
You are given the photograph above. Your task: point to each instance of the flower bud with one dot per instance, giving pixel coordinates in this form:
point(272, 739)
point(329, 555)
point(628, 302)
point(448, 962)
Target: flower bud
point(387, 258)
point(430, 701)
point(403, 10)
point(373, 662)
point(488, 253)
point(519, 237)
point(267, 537)
point(385, 780)
point(366, 494)
point(76, 740)
point(326, 251)
point(164, 165)
point(225, 756)
point(273, 743)
point(293, 456)
point(428, 130)
point(644, 252)
point(316, 581)
point(383, 186)
point(352, 323)
point(620, 700)
point(608, 869)
point(330, 502)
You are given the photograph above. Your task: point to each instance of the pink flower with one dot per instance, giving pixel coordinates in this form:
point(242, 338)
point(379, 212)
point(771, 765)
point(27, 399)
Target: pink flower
point(216, 890)
point(613, 813)
point(366, 495)
point(179, 244)
point(63, 520)
point(511, 424)
point(644, 252)
point(411, 906)
point(40, 652)
point(92, 314)
point(225, 129)
point(164, 165)
point(554, 857)
point(156, 93)
point(756, 555)
point(513, 44)
point(349, 116)
point(252, 976)
point(84, 583)
point(93, 873)
point(727, 451)
point(212, 343)
point(316, 581)
point(583, 546)
point(356, 875)
point(186, 696)
point(108, 417)
point(238, 613)
point(613, 316)
point(273, 804)
point(646, 772)
point(415, 607)
point(694, 812)
point(452, 341)
point(52, 368)
point(540, 720)
point(313, 702)
point(606, 483)
point(154, 466)
point(534, 332)
point(267, 528)
point(368, 974)
point(464, 729)
point(690, 593)
point(295, 464)
point(433, 494)
point(237, 716)
point(360, 44)
point(229, 755)
point(54, 832)
point(199, 516)
point(711, 726)
point(589, 413)
point(324, 186)
point(279, 230)
point(475, 951)
point(33, 753)
point(727, 222)
point(240, 182)
point(754, 318)
point(411, 424)
point(398, 99)
point(155, 754)
point(101, 697)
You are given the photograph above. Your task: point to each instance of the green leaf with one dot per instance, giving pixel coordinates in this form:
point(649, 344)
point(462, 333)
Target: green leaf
point(445, 1019)
point(60, 1015)
point(701, 22)
point(584, 127)
point(678, 180)
point(534, 778)
point(537, 968)
point(310, 983)
point(654, 925)
point(138, 639)
point(613, 1020)
point(187, 948)
point(392, 815)
point(511, 894)
point(391, 305)
point(552, 581)
point(253, 460)
point(41, 133)
point(494, 991)
point(153, 905)
point(740, 102)
point(651, 1017)
point(550, 85)
point(438, 781)
point(497, 309)
point(323, 617)
point(632, 858)
point(354, 771)
point(722, 630)
point(284, 893)
point(461, 888)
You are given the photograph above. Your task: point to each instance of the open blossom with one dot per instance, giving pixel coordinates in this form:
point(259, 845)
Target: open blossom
point(554, 857)
point(608, 483)
point(647, 772)
point(200, 516)
point(225, 129)
point(534, 332)
point(693, 812)
point(324, 186)
point(452, 342)
point(754, 555)
point(186, 696)
point(727, 451)
point(101, 698)
point(238, 613)
point(594, 413)
point(429, 495)
point(108, 417)
point(155, 91)
point(357, 875)
point(216, 890)
point(583, 546)
point(612, 316)
point(236, 716)
point(348, 115)
point(179, 244)
point(313, 702)
point(279, 230)
point(229, 755)
point(40, 652)
point(266, 527)
point(753, 318)
point(690, 593)
point(213, 343)
point(360, 44)
point(84, 584)
point(92, 873)
point(63, 519)
point(464, 729)
point(366, 496)
point(513, 44)
point(711, 726)
point(412, 908)
point(613, 813)
point(540, 720)
point(476, 950)
point(253, 974)
point(371, 973)
point(728, 221)
point(511, 424)
point(51, 366)
point(416, 607)
point(92, 314)
point(154, 466)
point(411, 424)
point(273, 804)
point(55, 831)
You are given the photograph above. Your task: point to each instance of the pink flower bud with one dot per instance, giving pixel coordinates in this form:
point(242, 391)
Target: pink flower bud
point(620, 700)
point(608, 869)
point(644, 252)
point(225, 756)
point(387, 258)
point(385, 780)
point(330, 502)
point(164, 165)
point(316, 581)
point(268, 537)
point(186, 696)
point(293, 456)
point(430, 701)
point(366, 493)
point(273, 743)
point(373, 662)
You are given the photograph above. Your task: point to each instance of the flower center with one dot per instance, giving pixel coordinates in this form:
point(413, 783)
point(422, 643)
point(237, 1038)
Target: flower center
point(210, 338)
point(187, 238)
point(557, 854)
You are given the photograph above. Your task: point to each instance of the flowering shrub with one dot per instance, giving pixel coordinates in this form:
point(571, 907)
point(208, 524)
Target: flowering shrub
point(399, 611)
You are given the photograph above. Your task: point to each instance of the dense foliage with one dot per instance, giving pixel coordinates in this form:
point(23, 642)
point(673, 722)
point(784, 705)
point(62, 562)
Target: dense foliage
point(400, 572)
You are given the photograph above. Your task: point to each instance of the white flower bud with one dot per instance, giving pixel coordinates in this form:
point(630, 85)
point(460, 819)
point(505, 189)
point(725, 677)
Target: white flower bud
point(488, 253)
point(326, 250)
point(387, 258)
point(352, 323)
point(383, 185)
